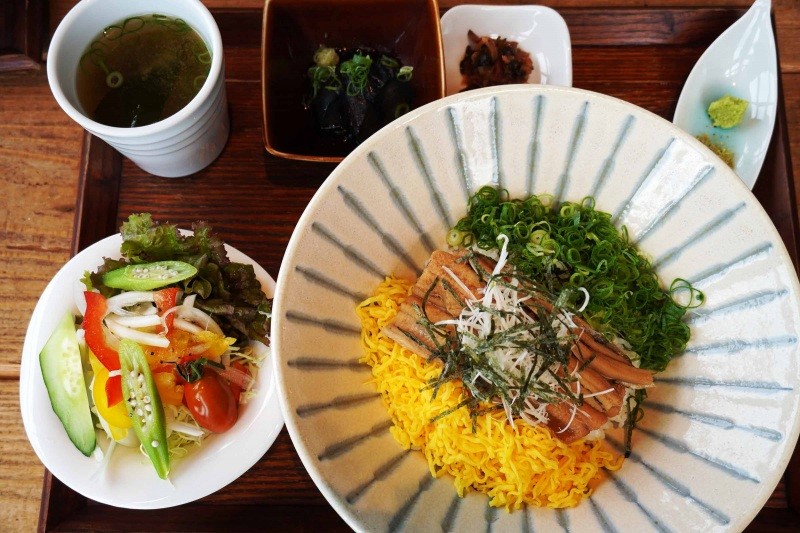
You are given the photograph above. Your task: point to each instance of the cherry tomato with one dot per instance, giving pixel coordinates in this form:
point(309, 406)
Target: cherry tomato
point(211, 402)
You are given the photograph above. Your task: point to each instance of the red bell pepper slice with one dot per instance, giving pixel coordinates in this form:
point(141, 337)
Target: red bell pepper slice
point(114, 390)
point(166, 299)
point(96, 307)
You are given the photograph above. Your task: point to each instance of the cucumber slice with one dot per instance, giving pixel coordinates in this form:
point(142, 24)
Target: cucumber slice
point(62, 370)
point(149, 276)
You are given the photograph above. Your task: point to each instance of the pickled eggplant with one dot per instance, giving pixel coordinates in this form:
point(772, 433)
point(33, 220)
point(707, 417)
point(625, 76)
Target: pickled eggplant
point(355, 92)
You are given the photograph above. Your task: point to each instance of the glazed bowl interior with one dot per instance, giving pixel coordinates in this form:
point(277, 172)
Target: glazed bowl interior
point(719, 425)
point(295, 29)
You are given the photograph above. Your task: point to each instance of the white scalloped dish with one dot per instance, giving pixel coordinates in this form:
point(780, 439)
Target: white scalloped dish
point(538, 30)
point(742, 63)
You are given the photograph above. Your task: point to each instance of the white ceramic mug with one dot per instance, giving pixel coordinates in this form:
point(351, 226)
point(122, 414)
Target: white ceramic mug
point(179, 145)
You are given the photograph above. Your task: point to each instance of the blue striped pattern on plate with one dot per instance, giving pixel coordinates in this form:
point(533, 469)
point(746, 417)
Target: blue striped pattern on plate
point(723, 418)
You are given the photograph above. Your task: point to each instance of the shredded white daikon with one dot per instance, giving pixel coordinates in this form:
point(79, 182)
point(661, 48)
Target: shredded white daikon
point(585, 301)
point(458, 281)
point(504, 307)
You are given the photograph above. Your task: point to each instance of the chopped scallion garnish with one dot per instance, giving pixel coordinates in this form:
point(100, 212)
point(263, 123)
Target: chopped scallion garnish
point(356, 70)
point(575, 245)
point(404, 74)
point(330, 73)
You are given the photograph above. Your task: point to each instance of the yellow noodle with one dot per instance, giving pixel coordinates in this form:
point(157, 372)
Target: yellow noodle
point(514, 465)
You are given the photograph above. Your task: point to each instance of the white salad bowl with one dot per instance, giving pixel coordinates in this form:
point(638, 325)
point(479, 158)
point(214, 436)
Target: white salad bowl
point(539, 30)
point(130, 480)
point(722, 420)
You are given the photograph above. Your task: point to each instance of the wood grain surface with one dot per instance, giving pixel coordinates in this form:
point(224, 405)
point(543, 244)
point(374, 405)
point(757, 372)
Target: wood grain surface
point(40, 157)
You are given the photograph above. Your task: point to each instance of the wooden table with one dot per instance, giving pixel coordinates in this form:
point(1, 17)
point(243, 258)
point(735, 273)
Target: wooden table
point(40, 160)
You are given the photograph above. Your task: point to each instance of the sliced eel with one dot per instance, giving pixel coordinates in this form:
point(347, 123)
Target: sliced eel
point(602, 366)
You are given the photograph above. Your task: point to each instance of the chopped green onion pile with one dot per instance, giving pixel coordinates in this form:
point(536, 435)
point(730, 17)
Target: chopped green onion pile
point(356, 70)
point(574, 245)
point(328, 70)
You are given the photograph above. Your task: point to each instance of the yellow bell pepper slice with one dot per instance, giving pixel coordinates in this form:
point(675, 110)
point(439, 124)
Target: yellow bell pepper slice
point(217, 344)
point(116, 416)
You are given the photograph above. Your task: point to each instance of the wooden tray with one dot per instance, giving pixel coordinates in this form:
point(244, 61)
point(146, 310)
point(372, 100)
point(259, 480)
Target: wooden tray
point(254, 200)
point(23, 26)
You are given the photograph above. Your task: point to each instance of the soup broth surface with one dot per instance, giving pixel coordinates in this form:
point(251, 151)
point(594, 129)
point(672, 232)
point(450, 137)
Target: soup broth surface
point(141, 70)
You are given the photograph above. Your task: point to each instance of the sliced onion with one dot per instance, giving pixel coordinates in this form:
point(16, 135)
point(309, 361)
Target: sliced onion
point(170, 311)
point(188, 302)
point(198, 348)
point(199, 317)
point(190, 319)
point(124, 332)
point(129, 298)
point(187, 326)
point(501, 262)
point(260, 350)
point(145, 309)
point(137, 321)
point(119, 302)
point(140, 309)
point(186, 429)
point(111, 340)
point(78, 288)
point(243, 380)
point(100, 471)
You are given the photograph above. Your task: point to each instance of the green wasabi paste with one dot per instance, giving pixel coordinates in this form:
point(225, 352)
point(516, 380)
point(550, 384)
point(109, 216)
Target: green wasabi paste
point(727, 112)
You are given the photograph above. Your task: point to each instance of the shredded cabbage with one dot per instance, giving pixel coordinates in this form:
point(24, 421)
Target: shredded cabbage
point(251, 356)
point(180, 444)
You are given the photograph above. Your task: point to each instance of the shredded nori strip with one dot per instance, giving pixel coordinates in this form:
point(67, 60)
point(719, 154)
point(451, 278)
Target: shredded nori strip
point(572, 245)
point(488, 387)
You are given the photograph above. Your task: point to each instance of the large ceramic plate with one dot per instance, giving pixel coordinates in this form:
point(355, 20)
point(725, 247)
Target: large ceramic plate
point(130, 480)
point(722, 421)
